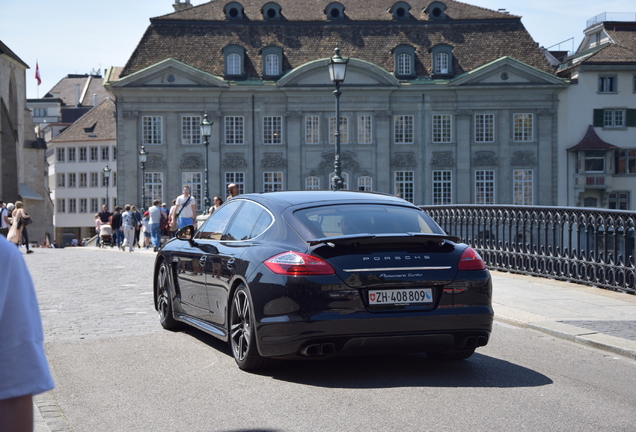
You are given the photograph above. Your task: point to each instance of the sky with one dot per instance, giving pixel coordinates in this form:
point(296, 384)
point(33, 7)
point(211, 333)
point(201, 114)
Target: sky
point(85, 36)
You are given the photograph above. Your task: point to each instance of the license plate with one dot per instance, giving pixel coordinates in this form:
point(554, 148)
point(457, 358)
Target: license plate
point(403, 296)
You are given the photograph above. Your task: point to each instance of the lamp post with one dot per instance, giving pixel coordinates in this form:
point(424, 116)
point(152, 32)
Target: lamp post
point(206, 131)
point(143, 157)
point(337, 70)
point(107, 177)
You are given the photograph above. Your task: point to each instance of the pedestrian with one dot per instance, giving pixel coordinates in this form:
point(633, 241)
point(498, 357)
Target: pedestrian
point(217, 203)
point(145, 228)
point(18, 218)
point(24, 371)
point(186, 208)
point(98, 227)
point(172, 220)
point(138, 218)
point(105, 215)
point(154, 222)
point(233, 190)
point(5, 222)
point(115, 223)
point(128, 223)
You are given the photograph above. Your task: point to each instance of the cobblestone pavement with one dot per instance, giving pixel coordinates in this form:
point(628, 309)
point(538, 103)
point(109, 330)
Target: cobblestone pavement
point(97, 293)
point(621, 329)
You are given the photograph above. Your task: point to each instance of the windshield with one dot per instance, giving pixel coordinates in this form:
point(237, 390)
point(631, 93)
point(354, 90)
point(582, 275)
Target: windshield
point(348, 219)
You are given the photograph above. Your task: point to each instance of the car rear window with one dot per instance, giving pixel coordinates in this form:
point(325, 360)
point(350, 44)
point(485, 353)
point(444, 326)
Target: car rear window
point(347, 219)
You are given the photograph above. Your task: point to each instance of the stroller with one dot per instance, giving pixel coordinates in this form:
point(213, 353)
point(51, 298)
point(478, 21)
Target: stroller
point(106, 236)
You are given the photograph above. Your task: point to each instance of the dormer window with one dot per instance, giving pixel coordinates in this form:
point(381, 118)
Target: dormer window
point(234, 11)
point(234, 60)
point(400, 11)
point(271, 12)
point(335, 11)
point(404, 58)
point(436, 11)
point(272, 61)
point(442, 59)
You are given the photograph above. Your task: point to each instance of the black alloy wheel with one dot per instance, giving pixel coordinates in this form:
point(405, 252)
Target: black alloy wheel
point(164, 303)
point(242, 332)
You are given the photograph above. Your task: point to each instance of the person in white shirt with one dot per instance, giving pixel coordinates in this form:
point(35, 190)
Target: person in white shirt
point(154, 222)
point(5, 223)
point(186, 208)
point(24, 371)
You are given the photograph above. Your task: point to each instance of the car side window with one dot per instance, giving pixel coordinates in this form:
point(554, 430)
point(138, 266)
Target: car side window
point(247, 225)
point(214, 226)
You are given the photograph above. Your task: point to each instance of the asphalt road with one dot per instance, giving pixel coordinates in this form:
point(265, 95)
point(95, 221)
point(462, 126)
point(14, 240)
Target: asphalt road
point(115, 369)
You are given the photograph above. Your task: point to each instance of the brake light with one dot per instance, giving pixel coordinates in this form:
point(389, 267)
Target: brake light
point(470, 260)
point(298, 264)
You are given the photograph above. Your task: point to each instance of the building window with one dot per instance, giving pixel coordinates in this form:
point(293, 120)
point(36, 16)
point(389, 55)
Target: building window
point(94, 179)
point(71, 154)
point(194, 180)
point(404, 66)
point(403, 129)
point(626, 162)
point(365, 183)
point(83, 205)
point(115, 153)
point(61, 180)
point(442, 187)
point(619, 200)
point(441, 63)
point(153, 188)
point(523, 127)
point(72, 205)
point(442, 124)
point(234, 130)
point(272, 130)
point(39, 112)
point(151, 130)
point(607, 84)
point(344, 130)
point(105, 153)
point(272, 181)
point(484, 128)
point(61, 152)
point(312, 183)
point(72, 180)
point(94, 205)
point(523, 187)
point(404, 185)
point(364, 129)
point(61, 205)
point(484, 187)
point(594, 161)
point(614, 118)
point(238, 178)
point(404, 58)
point(83, 180)
point(83, 154)
point(234, 64)
point(191, 130)
point(312, 134)
point(271, 65)
point(344, 177)
point(94, 154)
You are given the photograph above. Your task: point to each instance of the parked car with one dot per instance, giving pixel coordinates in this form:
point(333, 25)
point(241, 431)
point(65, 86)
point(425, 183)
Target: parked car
point(324, 273)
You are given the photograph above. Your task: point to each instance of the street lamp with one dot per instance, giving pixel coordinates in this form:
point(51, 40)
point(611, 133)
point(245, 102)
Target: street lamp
point(206, 131)
point(337, 71)
point(143, 157)
point(107, 181)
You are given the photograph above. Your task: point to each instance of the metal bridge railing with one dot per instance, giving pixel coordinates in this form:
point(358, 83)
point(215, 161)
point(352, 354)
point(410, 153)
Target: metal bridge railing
point(586, 246)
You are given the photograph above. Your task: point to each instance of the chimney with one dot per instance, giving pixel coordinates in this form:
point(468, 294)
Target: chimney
point(178, 6)
point(77, 94)
point(94, 99)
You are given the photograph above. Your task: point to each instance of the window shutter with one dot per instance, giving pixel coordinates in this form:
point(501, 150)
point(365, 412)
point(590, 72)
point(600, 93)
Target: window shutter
point(598, 118)
point(631, 117)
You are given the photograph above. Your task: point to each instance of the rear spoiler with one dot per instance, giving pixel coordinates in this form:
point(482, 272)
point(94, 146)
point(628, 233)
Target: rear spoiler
point(366, 239)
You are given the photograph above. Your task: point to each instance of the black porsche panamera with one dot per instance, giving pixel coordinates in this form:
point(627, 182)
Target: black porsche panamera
point(323, 273)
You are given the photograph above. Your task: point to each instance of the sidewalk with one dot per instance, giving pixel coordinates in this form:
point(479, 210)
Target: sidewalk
point(591, 316)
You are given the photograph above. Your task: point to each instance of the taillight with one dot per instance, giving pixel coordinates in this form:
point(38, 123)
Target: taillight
point(470, 260)
point(298, 264)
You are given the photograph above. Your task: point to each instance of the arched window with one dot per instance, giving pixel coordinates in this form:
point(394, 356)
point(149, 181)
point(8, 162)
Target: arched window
point(271, 64)
point(441, 63)
point(442, 59)
point(312, 183)
point(365, 183)
point(233, 64)
point(404, 64)
point(404, 61)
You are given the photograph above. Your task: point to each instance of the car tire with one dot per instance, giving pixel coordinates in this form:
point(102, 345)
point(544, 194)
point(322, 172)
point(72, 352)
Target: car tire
point(451, 355)
point(164, 300)
point(242, 331)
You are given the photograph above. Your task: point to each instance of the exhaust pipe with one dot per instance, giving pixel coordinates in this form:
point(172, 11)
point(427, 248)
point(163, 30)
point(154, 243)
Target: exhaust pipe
point(315, 350)
point(470, 342)
point(482, 341)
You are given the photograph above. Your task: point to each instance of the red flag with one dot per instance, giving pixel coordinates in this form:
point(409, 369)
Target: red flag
point(37, 73)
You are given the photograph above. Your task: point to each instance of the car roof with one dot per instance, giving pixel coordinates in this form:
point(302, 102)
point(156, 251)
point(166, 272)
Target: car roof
point(294, 198)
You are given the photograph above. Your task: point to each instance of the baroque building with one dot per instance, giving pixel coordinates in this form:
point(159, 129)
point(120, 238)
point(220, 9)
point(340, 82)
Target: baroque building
point(443, 102)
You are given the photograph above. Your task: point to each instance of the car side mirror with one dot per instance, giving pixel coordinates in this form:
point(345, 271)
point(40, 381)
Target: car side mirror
point(185, 233)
